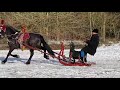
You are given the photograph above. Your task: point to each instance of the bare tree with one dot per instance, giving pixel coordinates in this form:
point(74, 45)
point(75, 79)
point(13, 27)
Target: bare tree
point(90, 18)
point(104, 26)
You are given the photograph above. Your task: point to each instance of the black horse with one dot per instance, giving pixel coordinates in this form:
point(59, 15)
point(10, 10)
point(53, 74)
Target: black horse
point(35, 41)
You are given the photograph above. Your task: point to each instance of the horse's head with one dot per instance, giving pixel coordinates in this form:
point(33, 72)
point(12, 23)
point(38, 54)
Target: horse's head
point(72, 46)
point(2, 32)
point(7, 30)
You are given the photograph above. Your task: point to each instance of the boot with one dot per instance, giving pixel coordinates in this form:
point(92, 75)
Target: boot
point(85, 58)
point(81, 59)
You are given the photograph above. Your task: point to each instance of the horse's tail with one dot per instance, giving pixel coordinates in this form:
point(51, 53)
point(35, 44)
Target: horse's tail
point(47, 47)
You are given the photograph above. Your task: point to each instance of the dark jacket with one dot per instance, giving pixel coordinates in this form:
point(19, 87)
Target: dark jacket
point(92, 45)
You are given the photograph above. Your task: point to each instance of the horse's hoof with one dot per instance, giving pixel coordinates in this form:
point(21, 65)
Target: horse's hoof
point(47, 57)
point(17, 56)
point(3, 62)
point(27, 63)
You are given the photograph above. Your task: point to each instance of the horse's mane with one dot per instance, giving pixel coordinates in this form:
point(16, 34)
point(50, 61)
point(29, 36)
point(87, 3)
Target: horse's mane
point(12, 28)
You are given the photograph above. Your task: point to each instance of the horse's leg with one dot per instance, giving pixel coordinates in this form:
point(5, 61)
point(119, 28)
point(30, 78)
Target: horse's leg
point(16, 56)
point(4, 61)
point(45, 56)
point(40, 46)
point(31, 54)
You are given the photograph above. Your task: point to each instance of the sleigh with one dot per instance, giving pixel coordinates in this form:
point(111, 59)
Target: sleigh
point(70, 61)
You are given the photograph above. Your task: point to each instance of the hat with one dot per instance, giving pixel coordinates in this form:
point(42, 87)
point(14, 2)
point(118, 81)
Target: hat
point(23, 28)
point(95, 30)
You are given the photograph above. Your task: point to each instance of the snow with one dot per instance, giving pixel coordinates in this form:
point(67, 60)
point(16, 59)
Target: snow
point(107, 59)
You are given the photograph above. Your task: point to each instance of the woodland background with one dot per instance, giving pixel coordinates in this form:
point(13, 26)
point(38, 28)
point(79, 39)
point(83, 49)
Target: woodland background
point(66, 26)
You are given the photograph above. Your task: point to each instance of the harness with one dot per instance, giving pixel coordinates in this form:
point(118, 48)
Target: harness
point(18, 37)
point(3, 27)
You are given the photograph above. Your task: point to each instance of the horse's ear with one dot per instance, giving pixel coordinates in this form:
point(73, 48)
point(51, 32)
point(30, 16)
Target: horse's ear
point(2, 21)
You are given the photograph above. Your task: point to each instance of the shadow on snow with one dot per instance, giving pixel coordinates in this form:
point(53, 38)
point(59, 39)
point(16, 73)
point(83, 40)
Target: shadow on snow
point(14, 60)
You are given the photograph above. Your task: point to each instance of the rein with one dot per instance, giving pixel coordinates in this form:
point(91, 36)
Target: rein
point(12, 34)
point(58, 54)
point(6, 36)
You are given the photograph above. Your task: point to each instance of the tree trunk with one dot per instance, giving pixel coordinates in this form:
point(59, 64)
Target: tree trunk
point(47, 16)
point(104, 26)
point(90, 18)
point(57, 29)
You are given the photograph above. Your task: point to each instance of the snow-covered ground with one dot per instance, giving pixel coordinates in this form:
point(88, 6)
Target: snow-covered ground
point(107, 61)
